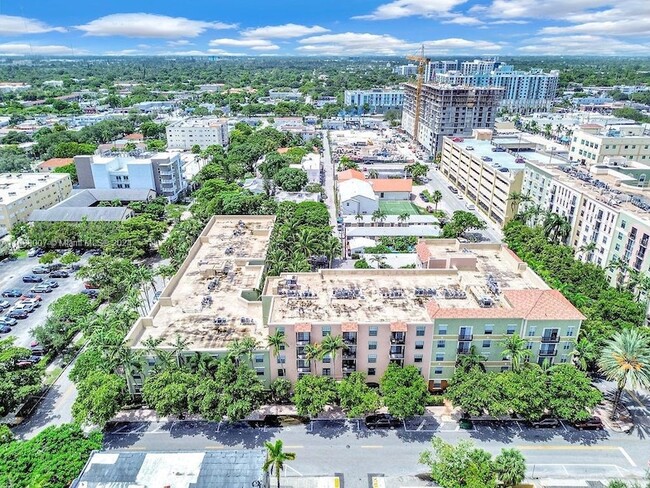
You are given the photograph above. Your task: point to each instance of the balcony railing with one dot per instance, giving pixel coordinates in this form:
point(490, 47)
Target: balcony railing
point(302, 342)
point(465, 337)
point(549, 353)
point(551, 338)
point(463, 350)
point(350, 354)
point(350, 340)
point(400, 339)
point(304, 370)
point(397, 355)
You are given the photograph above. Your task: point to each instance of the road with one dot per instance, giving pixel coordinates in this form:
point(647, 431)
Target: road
point(348, 447)
point(328, 184)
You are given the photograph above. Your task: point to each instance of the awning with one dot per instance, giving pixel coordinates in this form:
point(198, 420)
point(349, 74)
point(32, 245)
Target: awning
point(398, 326)
point(303, 327)
point(349, 327)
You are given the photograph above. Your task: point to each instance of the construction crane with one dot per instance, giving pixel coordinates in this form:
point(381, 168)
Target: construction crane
point(422, 66)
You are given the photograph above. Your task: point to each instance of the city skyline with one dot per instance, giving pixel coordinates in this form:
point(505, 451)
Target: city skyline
point(363, 27)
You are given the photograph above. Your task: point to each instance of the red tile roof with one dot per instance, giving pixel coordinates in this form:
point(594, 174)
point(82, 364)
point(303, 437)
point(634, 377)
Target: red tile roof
point(303, 327)
point(392, 184)
point(283, 150)
point(398, 326)
point(422, 251)
point(350, 174)
point(349, 327)
point(134, 137)
point(56, 163)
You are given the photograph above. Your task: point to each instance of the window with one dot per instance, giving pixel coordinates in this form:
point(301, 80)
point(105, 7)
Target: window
point(529, 345)
point(437, 371)
point(372, 331)
point(418, 358)
point(570, 331)
point(372, 345)
point(327, 359)
point(442, 330)
point(259, 358)
point(280, 372)
point(280, 330)
point(372, 358)
point(567, 346)
point(511, 329)
point(372, 371)
point(487, 343)
point(440, 356)
point(504, 368)
point(564, 358)
point(531, 331)
point(282, 359)
point(489, 328)
point(327, 330)
point(327, 372)
point(441, 344)
point(419, 330)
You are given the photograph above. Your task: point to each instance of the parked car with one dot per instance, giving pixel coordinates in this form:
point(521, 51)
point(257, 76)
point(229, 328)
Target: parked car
point(33, 252)
point(4, 304)
point(59, 274)
point(51, 283)
point(11, 293)
point(593, 423)
point(32, 279)
point(95, 252)
point(41, 270)
point(37, 350)
point(4, 329)
point(470, 206)
point(452, 189)
point(41, 288)
point(17, 314)
point(27, 307)
point(8, 321)
point(32, 301)
point(90, 286)
point(382, 420)
point(90, 293)
point(156, 296)
point(424, 197)
point(29, 295)
point(546, 422)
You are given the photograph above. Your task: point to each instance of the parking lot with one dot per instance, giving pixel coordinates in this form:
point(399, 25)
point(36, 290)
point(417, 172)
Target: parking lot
point(11, 274)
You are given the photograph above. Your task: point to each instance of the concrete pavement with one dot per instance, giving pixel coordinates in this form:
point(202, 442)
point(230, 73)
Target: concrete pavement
point(329, 182)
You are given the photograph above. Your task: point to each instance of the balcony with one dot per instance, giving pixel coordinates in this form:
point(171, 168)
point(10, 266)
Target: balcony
point(304, 370)
point(465, 337)
point(349, 369)
point(302, 342)
point(548, 353)
point(398, 338)
point(350, 353)
point(350, 340)
point(462, 349)
point(396, 355)
point(554, 338)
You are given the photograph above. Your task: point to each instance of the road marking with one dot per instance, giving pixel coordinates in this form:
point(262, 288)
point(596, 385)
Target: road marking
point(294, 447)
point(627, 456)
point(372, 447)
point(564, 426)
point(294, 469)
point(212, 446)
point(135, 448)
point(568, 448)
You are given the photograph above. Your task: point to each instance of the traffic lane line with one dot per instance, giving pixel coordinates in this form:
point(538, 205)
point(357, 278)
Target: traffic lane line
point(620, 449)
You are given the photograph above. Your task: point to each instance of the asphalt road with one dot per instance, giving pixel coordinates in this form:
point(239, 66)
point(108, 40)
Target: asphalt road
point(328, 184)
point(348, 447)
point(11, 273)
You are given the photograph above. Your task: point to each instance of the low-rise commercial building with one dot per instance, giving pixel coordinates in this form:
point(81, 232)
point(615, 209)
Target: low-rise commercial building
point(593, 143)
point(52, 164)
point(204, 132)
point(22, 193)
point(376, 100)
point(459, 296)
point(162, 172)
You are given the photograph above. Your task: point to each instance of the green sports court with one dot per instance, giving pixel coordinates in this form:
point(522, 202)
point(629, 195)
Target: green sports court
point(397, 207)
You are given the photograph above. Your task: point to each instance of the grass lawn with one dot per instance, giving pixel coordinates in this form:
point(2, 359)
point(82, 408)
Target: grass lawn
point(397, 207)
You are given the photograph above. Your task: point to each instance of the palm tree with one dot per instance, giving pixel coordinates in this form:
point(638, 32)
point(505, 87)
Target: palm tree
point(436, 198)
point(332, 345)
point(379, 215)
point(620, 267)
point(588, 249)
point(312, 353)
point(306, 242)
point(277, 343)
point(633, 281)
point(514, 347)
point(470, 360)
point(556, 227)
point(203, 364)
point(516, 198)
point(178, 347)
point(403, 217)
point(379, 260)
point(626, 360)
point(359, 217)
point(165, 271)
point(584, 354)
point(373, 174)
point(129, 362)
point(643, 288)
point(332, 248)
point(248, 347)
point(275, 458)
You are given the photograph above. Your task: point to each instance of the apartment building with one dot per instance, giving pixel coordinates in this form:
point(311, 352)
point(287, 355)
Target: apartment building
point(204, 132)
point(378, 99)
point(406, 70)
point(592, 143)
point(162, 172)
point(448, 110)
point(22, 193)
point(607, 206)
point(459, 296)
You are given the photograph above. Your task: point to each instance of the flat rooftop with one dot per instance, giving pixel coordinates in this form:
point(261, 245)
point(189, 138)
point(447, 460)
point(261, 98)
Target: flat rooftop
point(206, 302)
point(200, 122)
point(374, 296)
point(14, 186)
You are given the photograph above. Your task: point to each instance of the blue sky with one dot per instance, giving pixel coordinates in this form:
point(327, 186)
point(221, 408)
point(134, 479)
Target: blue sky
point(325, 27)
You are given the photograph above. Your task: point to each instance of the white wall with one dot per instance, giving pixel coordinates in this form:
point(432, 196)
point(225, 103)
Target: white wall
point(359, 205)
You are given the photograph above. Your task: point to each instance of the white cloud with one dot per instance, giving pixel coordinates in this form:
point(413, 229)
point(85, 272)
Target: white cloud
point(547, 9)
point(407, 8)
point(272, 47)
point(453, 45)
point(286, 31)
point(11, 25)
point(582, 45)
point(258, 44)
point(623, 27)
point(149, 25)
point(125, 52)
point(180, 42)
point(463, 20)
point(19, 48)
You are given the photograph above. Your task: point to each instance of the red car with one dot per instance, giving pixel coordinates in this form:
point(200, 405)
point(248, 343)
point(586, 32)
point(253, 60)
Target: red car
point(90, 286)
point(30, 295)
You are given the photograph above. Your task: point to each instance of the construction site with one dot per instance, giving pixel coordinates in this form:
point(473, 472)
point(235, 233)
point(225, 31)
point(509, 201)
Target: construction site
point(366, 146)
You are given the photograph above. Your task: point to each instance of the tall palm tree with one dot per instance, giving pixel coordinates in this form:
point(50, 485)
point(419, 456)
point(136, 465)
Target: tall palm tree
point(379, 215)
point(587, 250)
point(584, 354)
point(275, 459)
point(332, 248)
point(373, 174)
point(332, 345)
point(306, 242)
point(129, 362)
point(514, 198)
point(626, 360)
point(277, 342)
point(403, 217)
point(359, 217)
point(178, 347)
point(313, 353)
point(436, 198)
point(633, 280)
point(203, 364)
point(556, 227)
point(621, 269)
point(643, 288)
point(514, 347)
point(248, 347)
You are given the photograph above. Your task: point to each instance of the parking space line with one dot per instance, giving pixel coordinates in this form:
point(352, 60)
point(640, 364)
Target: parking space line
point(219, 426)
point(627, 456)
point(213, 446)
point(563, 426)
point(372, 447)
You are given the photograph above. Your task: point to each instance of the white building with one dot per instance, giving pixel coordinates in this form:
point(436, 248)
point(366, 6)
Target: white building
point(204, 132)
point(13, 87)
point(288, 95)
point(162, 172)
point(378, 99)
point(406, 70)
point(53, 83)
point(593, 143)
point(312, 165)
point(357, 197)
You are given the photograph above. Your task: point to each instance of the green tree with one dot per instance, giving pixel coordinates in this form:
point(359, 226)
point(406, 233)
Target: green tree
point(404, 391)
point(476, 393)
point(626, 360)
point(436, 198)
point(168, 392)
point(461, 222)
point(48, 258)
point(69, 258)
point(277, 342)
point(515, 349)
point(510, 467)
point(70, 169)
point(100, 397)
point(356, 397)
point(459, 466)
point(291, 179)
point(570, 393)
point(312, 393)
point(16, 382)
point(332, 345)
point(275, 459)
point(280, 390)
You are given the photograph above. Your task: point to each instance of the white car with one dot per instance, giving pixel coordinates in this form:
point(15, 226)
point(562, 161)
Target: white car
point(4, 304)
point(470, 206)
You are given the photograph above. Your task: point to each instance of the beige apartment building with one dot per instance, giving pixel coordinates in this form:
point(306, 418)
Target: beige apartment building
point(459, 296)
point(22, 193)
point(593, 143)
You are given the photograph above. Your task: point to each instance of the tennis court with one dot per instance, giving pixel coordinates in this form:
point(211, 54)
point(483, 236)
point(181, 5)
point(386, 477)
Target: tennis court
point(397, 207)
